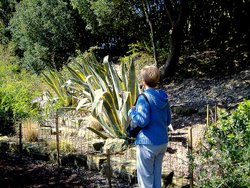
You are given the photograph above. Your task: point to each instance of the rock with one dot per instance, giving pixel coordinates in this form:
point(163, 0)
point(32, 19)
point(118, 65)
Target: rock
point(46, 131)
point(94, 162)
point(83, 132)
point(68, 131)
point(191, 96)
point(94, 123)
point(115, 145)
point(3, 138)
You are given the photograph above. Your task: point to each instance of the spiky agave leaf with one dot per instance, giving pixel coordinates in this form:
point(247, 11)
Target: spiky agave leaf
point(100, 113)
point(56, 82)
point(133, 86)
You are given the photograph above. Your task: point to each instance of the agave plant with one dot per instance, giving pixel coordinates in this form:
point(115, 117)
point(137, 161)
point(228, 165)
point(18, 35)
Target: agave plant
point(82, 71)
point(112, 102)
point(97, 87)
point(57, 83)
point(111, 95)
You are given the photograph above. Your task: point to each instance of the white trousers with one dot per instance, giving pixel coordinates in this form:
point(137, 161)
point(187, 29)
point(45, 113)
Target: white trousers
point(149, 165)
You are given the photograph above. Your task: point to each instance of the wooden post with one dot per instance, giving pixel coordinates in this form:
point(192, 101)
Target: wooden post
point(109, 169)
point(215, 113)
point(57, 140)
point(20, 140)
point(207, 114)
point(190, 151)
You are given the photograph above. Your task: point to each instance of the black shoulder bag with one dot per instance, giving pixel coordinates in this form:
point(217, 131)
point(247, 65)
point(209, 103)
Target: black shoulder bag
point(133, 129)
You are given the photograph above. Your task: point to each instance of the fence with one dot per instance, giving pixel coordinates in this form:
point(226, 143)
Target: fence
point(66, 132)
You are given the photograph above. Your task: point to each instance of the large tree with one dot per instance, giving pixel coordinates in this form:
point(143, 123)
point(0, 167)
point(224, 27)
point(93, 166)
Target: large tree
point(46, 33)
point(166, 19)
point(150, 19)
point(114, 23)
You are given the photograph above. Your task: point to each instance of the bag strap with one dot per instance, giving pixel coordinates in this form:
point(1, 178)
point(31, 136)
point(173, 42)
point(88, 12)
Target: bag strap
point(144, 96)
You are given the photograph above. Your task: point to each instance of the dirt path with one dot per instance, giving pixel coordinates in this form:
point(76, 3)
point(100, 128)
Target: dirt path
point(25, 172)
point(28, 173)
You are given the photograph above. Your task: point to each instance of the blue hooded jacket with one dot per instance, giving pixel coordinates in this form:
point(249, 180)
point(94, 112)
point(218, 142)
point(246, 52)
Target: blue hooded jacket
point(154, 117)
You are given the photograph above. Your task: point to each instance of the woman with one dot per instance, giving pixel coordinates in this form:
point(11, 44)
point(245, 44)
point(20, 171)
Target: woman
point(153, 116)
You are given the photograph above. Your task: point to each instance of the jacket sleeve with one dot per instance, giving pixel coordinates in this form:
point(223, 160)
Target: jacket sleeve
point(140, 116)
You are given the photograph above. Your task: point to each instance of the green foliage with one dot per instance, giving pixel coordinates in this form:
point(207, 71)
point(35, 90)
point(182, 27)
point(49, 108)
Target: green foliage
point(98, 88)
point(105, 14)
point(57, 82)
point(7, 8)
point(44, 31)
point(17, 90)
point(226, 159)
point(219, 24)
point(114, 24)
point(85, 10)
point(111, 96)
point(141, 54)
point(48, 32)
point(69, 87)
point(111, 104)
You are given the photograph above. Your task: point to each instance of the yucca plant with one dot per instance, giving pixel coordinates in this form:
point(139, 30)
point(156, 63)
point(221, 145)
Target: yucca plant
point(111, 96)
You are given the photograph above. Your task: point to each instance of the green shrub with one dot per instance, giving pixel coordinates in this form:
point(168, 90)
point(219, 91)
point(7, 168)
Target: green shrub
point(45, 31)
point(225, 159)
point(17, 90)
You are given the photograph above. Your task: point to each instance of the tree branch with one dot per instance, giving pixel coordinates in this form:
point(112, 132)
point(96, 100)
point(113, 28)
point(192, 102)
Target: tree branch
point(170, 11)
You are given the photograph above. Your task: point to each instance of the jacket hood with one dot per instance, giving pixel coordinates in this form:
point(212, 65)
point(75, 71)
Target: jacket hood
point(157, 97)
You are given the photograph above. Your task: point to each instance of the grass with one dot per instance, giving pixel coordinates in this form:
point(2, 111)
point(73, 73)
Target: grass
point(30, 130)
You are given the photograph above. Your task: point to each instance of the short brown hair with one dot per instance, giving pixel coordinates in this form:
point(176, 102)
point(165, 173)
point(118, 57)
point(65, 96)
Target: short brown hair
point(150, 75)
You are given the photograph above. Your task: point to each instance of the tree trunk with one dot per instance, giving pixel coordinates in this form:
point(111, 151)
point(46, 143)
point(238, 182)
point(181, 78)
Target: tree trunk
point(174, 53)
point(176, 37)
point(146, 8)
point(153, 42)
